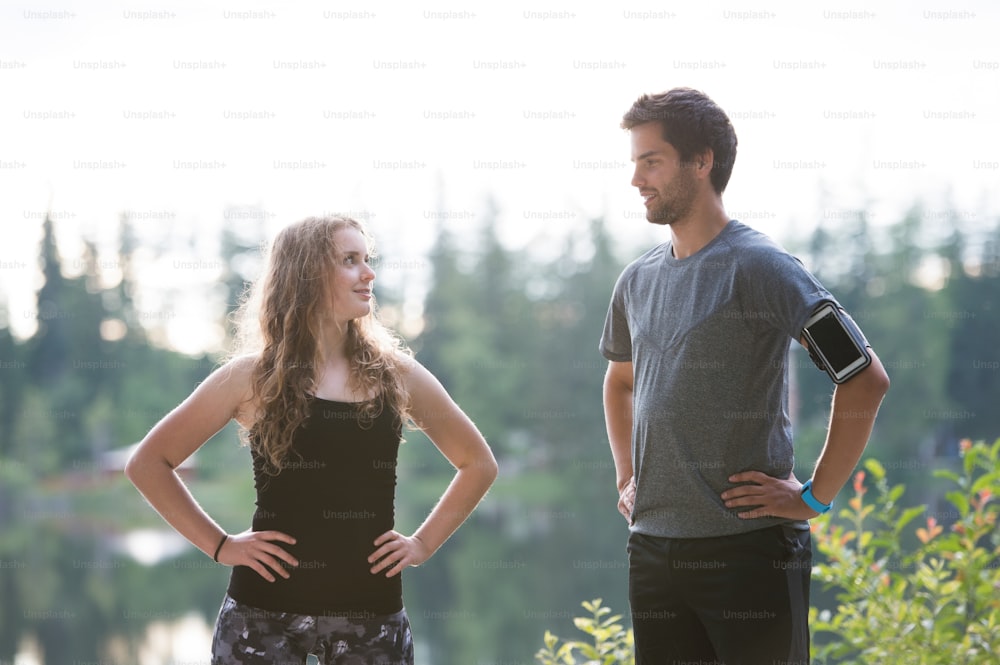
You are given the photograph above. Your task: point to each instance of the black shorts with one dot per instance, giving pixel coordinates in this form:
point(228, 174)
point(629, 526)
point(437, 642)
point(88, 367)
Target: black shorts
point(731, 600)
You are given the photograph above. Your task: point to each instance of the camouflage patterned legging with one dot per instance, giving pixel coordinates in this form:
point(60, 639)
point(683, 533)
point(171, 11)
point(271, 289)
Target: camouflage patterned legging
point(246, 635)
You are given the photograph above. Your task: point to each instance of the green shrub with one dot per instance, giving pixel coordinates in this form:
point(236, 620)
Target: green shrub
point(938, 602)
point(610, 643)
point(934, 603)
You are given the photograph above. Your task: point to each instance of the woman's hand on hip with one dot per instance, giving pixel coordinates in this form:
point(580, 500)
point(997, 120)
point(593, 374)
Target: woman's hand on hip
point(394, 552)
point(258, 550)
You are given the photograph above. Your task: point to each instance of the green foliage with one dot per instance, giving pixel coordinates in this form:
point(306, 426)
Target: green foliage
point(609, 644)
point(923, 289)
point(934, 604)
point(514, 340)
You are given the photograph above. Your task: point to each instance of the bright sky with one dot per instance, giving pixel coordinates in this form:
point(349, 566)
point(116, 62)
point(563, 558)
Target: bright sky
point(176, 111)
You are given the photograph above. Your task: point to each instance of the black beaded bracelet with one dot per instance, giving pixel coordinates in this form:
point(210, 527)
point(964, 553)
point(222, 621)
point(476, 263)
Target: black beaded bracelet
point(215, 557)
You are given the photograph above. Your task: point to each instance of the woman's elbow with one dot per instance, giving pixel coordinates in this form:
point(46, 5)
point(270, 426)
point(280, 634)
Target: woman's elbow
point(140, 464)
point(488, 467)
point(133, 467)
point(485, 466)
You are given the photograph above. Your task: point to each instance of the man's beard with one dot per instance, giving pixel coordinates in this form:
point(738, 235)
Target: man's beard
point(675, 203)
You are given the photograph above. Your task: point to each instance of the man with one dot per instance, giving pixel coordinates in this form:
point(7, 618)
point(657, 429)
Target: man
point(695, 400)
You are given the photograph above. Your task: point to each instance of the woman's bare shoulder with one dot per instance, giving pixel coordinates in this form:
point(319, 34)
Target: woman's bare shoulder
point(235, 377)
point(234, 374)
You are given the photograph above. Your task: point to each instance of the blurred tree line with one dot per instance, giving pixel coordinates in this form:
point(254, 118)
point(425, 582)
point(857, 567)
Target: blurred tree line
point(926, 292)
point(514, 339)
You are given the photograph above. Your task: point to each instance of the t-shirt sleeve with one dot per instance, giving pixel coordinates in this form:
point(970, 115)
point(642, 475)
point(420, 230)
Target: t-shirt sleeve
point(782, 293)
point(616, 341)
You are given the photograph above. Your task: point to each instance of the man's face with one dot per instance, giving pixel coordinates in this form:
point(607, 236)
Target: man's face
point(667, 186)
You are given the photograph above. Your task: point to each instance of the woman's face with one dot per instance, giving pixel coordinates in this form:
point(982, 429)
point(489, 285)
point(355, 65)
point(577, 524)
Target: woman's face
point(353, 277)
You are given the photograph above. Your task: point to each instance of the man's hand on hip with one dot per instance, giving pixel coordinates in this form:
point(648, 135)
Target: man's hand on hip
point(626, 499)
point(767, 497)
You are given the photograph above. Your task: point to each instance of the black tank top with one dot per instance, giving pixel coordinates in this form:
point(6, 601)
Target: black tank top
point(335, 496)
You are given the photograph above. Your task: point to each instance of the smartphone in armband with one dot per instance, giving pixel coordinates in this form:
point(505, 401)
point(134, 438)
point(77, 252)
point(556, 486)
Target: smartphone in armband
point(835, 343)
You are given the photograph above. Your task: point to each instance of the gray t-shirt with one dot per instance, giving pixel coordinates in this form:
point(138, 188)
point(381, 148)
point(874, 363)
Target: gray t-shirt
point(708, 337)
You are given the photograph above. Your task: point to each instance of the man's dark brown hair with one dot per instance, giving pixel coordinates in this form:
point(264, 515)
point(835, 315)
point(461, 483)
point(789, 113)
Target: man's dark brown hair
point(692, 123)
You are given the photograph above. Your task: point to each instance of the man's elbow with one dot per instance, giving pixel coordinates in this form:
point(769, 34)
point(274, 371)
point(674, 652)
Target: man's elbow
point(874, 381)
point(884, 382)
point(616, 389)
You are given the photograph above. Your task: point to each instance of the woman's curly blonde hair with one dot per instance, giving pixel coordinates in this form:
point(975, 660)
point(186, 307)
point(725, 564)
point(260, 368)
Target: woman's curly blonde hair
point(279, 322)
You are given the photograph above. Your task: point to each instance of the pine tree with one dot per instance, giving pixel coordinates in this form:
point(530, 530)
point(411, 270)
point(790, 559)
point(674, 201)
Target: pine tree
point(50, 355)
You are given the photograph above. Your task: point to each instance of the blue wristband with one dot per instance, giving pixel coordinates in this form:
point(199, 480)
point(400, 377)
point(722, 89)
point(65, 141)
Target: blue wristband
point(813, 502)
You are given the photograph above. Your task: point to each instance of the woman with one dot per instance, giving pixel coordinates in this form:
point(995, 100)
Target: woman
point(322, 396)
